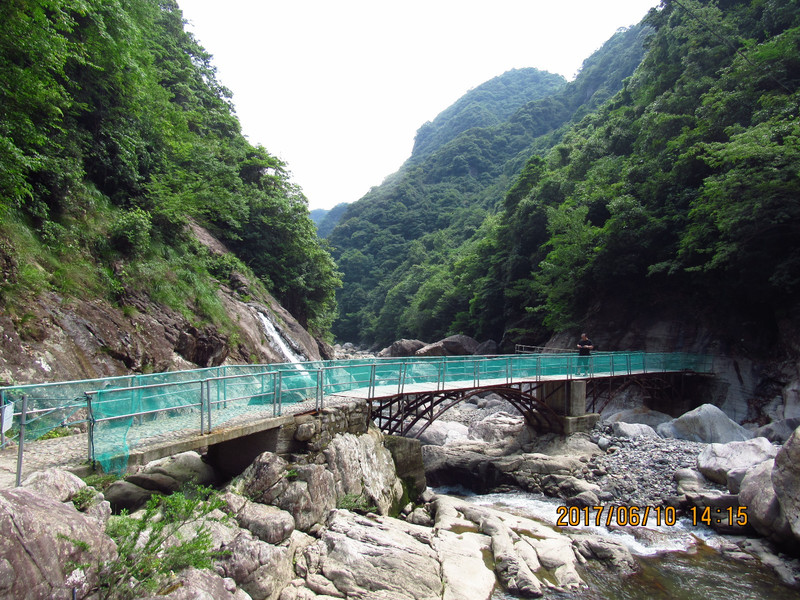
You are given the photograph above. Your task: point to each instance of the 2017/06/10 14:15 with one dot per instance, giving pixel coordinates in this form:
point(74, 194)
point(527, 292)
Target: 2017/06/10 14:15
point(574, 516)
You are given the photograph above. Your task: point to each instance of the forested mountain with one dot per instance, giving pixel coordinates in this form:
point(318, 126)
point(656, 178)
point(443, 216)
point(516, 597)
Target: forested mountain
point(396, 245)
point(329, 219)
point(680, 195)
point(114, 136)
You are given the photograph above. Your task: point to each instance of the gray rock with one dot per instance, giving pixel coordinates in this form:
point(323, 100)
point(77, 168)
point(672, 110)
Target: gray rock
point(308, 497)
point(501, 429)
point(194, 584)
point(786, 480)
point(510, 567)
point(707, 424)
point(690, 481)
point(778, 431)
point(264, 479)
point(460, 345)
point(632, 430)
point(441, 432)
point(420, 516)
point(642, 415)
point(717, 460)
point(362, 466)
point(735, 478)
point(55, 483)
point(402, 348)
point(268, 523)
point(37, 554)
point(304, 432)
point(613, 553)
point(487, 348)
point(260, 569)
point(187, 467)
point(375, 558)
point(126, 496)
point(156, 482)
point(764, 512)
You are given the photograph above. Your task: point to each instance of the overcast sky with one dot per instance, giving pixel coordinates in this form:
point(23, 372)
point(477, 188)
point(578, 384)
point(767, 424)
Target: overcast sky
point(338, 89)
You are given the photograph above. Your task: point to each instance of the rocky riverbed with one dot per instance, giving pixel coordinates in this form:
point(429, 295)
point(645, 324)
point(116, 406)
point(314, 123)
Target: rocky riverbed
point(339, 522)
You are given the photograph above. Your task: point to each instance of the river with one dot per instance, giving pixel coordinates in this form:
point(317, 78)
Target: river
point(677, 561)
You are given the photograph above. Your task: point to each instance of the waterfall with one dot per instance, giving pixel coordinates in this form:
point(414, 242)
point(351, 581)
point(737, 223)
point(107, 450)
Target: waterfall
point(278, 342)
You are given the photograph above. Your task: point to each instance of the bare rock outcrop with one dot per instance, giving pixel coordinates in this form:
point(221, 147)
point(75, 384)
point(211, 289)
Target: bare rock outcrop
point(41, 542)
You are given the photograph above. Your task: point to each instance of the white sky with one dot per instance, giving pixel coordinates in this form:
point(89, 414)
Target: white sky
point(338, 89)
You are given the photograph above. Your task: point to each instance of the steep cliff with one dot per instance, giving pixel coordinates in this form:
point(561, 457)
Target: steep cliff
point(65, 338)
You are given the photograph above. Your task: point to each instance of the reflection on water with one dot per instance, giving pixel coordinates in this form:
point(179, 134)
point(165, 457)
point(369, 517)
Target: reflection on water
point(675, 562)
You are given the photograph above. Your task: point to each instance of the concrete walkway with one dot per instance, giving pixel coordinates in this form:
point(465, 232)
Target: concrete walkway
point(146, 443)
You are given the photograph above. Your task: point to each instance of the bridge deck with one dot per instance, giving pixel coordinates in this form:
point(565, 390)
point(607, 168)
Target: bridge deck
point(121, 411)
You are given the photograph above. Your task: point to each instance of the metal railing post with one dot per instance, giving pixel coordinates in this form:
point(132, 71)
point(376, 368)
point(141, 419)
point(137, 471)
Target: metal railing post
point(21, 452)
point(401, 380)
point(208, 402)
point(372, 381)
point(90, 437)
point(319, 389)
point(280, 390)
point(202, 406)
point(274, 394)
point(3, 429)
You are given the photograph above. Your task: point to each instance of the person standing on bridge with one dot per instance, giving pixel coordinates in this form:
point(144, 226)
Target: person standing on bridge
point(585, 348)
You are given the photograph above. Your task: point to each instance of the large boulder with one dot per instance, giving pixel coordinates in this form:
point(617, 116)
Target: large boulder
point(632, 430)
point(381, 558)
point(184, 468)
point(260, 569)
point(501, 429)
point(460, 345)
point(56, 483)
point(707, 424)
point(487, 348)
point(42, 541)
point(455, 345)
point(440, 433)
point(778, 431)
point(434, 349)
point(402, 348)
point(641, 415)
point(363, 467)
point(717, 460)
point(764, 512)
point(786, 480)
point(194, 584)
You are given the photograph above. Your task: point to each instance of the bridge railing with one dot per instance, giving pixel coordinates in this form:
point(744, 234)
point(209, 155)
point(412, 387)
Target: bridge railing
point(121, 412)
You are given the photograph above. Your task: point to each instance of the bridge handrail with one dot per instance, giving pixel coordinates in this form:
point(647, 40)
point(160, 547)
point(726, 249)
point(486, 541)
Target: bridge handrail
point(276, 384)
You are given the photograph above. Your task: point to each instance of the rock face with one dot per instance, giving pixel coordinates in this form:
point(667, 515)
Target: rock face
point(707, 424)
point(41, 541)
point(86, 339)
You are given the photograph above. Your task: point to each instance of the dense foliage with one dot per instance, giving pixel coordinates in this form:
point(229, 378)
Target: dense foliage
point(407, 248)
point(679, 195)
point(326, 220)
point(114, 136)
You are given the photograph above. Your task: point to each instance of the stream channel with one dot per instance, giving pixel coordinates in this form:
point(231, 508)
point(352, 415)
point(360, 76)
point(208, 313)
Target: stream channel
point(681, 561)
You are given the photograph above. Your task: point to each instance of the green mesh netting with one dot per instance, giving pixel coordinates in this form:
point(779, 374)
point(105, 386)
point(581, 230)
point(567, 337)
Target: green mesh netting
point(138, 410)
